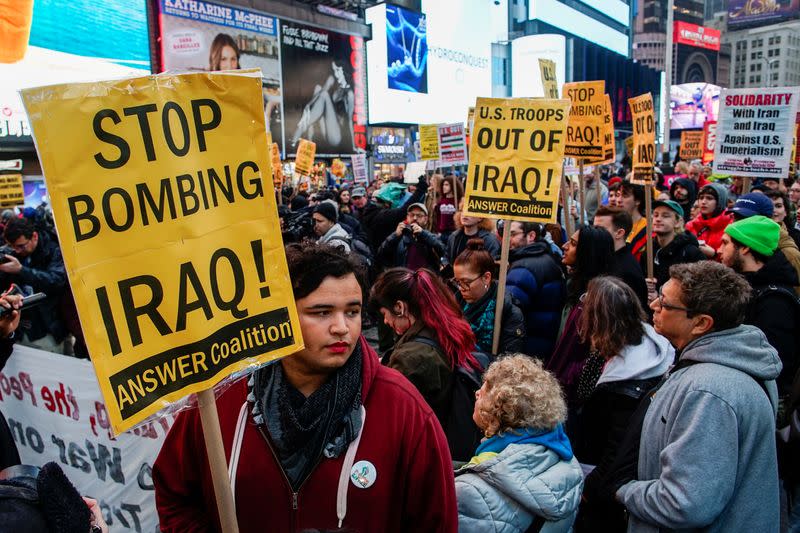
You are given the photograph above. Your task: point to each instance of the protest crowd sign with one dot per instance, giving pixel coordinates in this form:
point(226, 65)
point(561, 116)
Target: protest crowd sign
point(166, 217)
point(547, 68)
point(359, 163)
point(709, 141)
point(55, 412)
point(304, 159)
point(429, 141)
point(691, 144)
point(644, 139)
point(755, 131)
point(11, 190)
point(584, 131)
point(452, 144)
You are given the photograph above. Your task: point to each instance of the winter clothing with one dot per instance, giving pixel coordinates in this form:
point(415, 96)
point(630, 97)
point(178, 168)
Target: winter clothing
point(518, 478)
point(395, 250)
point(569, 355)
point(380, 222)
point(626, 267)
point(774, 313)
point(720, 193)
point(752, 204)
point(682, 249)
point(637, 238)
point(327, 210)
point(42, 271)
point(481, 315)
point(709, 229)
point(400, 439)
point(591, 200)
point(789, 249)
point(458, 240)
point(707, 454)
point(337, 236)
point(691, 187)
point(537, 282)
point(670, 204)
point(443, 215)
point(9, 455)
point(757, 232)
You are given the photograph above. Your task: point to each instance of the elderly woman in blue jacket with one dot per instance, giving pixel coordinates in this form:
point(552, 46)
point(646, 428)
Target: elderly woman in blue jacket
point(524, 473)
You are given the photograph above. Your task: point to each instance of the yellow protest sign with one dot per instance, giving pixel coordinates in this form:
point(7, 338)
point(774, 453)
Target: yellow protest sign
point(644, 139)
point(429, 141)
point(547, 68)
point(629, 145)
point(515, 158)
point(470, 121)
point(584, 131)
point(166, 216)
point(277, 167)
point(304, 159)
point(609, 145)
point(691, 144)
point(11, 192)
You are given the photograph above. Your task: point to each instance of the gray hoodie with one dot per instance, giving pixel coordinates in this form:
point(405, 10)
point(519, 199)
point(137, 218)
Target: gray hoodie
point(707, 459)
point(337, 236)
point(504, 494)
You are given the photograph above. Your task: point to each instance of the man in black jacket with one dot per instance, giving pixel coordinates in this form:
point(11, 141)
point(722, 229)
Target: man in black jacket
point(750, 247)
point(669, 246)
point(379, 219)
point(410, 245)
point(619, 224)
point(37, 266)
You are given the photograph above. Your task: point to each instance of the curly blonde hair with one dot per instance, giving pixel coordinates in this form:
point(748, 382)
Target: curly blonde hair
point(520, 393)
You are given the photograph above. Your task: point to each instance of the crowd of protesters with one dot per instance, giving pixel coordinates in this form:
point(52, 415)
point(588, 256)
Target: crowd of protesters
point(594, 397)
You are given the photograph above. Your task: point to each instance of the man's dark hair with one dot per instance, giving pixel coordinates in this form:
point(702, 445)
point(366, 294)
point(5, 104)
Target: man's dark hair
point(619, 217)
point(711, 288)
point(535, 227)
point(310, 263)
point(17, 227)
point(638, 192)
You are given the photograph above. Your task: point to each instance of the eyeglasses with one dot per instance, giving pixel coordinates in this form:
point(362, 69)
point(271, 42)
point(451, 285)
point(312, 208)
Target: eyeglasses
point(664, 305)
point(463, 284)
point(21, 246)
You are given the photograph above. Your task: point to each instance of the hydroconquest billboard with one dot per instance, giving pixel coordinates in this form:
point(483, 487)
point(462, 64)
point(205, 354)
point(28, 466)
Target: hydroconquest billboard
point(760, 12)
point(406, 50)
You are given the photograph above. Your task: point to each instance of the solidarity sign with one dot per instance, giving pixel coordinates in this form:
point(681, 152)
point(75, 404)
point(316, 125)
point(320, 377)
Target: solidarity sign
point(163, 199)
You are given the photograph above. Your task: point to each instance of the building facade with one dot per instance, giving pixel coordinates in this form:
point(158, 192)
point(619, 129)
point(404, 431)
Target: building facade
point(766, 56)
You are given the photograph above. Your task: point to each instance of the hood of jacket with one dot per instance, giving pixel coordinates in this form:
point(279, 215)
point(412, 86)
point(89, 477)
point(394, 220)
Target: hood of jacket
point(649, 359)
point(336, 232)
point(776, 271)
point(531, 250)
point(690, 186)
point(679, 242)
point(536, 478)
point(722, 198)
point(744, 348)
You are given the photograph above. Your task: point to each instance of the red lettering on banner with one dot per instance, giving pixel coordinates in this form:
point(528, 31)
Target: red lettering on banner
point(360, 97)
point(757, 99)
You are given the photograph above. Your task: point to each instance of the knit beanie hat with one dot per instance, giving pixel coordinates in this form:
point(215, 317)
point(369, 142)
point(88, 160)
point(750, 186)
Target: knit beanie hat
point(757, 232)
point(326, 209)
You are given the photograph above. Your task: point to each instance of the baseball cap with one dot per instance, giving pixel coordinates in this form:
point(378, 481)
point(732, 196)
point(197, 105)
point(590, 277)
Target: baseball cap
point(758, 232)
point(675, 206)
point(752, 204)
point(358, 192)
point(418, 206)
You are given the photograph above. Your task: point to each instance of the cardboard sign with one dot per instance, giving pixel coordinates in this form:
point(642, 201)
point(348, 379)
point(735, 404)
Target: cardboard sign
point(428, 141)
point(691, 145)
point(609, 145)
point(547, 68)
point(584, 131)
point(277, 167)
point(755, 131)
point(11, 192)
point(709, 140)
point(515, 158)
point(304, 159)
point(644, 139)
point(167, 221)
point(470, 121)
point(452, 144)
point(359, 162)
point(629, 145)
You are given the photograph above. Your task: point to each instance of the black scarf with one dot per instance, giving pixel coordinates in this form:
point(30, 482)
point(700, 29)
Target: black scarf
point(304, 428)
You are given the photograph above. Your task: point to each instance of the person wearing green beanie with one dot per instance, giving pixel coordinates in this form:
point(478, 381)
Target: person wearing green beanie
point(750, 247)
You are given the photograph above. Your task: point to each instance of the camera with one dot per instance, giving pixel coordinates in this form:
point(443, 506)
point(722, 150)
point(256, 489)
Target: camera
point(298, 226)
point(407, 231)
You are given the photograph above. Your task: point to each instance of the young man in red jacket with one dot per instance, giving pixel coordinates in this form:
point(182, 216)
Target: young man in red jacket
point(323, 439)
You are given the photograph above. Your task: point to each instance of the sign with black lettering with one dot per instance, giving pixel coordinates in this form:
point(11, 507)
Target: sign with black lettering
point(163, 199)
point(691, 144)
point(11, 191)
point(515, 158)
point(644, 139)
point(585, 128)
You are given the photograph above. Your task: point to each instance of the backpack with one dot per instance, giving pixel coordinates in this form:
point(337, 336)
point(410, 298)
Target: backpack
point(771, 290)
point(463, 436)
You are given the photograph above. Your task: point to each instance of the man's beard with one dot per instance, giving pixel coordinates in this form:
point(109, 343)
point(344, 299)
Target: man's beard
point(737, 264)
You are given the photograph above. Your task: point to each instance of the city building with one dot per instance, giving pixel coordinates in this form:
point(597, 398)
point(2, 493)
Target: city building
point(766, 56)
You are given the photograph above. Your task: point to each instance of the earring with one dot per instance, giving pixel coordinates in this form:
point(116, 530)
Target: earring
point(485, 286)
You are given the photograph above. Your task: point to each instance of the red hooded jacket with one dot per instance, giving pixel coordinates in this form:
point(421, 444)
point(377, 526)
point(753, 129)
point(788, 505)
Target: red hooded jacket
point(413, 487)
point(710, 229)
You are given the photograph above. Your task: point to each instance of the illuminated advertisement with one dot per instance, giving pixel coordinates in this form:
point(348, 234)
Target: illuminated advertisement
point(458, 64)
point(698, 36)
point(760, 12)
point(71, 41)
point(391, 145)
point(692, 104)
point(406, 50)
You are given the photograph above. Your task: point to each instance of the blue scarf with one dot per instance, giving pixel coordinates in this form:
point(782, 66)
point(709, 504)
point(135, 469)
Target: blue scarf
point(555, 440)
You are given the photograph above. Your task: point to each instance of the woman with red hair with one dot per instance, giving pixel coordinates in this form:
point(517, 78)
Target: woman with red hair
point(434, 339)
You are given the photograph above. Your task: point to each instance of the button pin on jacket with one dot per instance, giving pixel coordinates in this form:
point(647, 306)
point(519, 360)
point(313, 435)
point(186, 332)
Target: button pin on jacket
point(363, 474)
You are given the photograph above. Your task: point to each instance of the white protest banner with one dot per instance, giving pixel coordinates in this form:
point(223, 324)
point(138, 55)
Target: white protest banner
point(413, 170)
point(755, 130)
point(359, 162)
point(55, 411)
point(452, 145)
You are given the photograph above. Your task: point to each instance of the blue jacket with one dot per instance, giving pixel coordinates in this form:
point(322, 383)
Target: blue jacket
point(536, 281)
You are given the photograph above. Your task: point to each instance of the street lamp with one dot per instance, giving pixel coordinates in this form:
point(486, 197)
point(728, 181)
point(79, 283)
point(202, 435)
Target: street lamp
point(769, 63)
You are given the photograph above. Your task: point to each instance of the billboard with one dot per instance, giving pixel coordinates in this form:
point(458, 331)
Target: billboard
point(204, 36)
point(323, 76)
point(698, 36)
point(692, 104)
point(391, 145)
point(757, 13)
point(79, 40)
point(459, 65)
point(406, 50)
